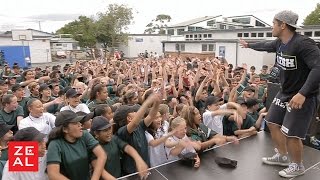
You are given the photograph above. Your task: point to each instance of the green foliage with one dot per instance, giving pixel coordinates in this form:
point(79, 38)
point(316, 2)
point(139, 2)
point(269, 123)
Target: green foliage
point(158, 25)
point(108, 28)
point(314, 17)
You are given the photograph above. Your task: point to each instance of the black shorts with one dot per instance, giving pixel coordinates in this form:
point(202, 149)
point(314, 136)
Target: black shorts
point(293, 122)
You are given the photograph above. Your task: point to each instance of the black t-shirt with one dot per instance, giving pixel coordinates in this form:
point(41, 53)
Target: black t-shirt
point(298, 62)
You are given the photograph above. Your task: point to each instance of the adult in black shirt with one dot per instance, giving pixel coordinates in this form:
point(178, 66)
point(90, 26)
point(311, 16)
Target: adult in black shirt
point(298, 59)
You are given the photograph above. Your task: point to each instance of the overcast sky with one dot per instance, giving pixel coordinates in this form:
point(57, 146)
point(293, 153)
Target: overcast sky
point(53, 14)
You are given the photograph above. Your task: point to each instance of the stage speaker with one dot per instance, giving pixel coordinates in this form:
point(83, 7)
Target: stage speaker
point(272, 90)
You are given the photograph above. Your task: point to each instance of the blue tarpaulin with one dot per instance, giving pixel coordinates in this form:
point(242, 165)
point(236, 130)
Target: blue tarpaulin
point(16, 54)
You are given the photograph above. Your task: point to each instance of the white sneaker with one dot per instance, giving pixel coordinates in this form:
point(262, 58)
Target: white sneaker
point(292, 171)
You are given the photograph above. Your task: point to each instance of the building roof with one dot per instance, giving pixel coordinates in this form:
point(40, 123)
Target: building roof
point(147, 34)
point(63, 40)
point(40, 31)
point(214, 41)
point(193, 21)
point(251, 16)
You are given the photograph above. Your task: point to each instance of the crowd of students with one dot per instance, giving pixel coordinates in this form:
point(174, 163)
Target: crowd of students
point(107, 120)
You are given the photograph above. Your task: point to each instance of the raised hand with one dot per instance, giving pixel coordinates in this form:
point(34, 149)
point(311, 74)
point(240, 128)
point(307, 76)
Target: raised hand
point(243, 43)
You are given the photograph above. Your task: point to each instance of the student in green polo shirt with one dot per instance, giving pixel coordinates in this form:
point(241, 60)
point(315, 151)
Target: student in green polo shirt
point(113, 145)
point(68, 149)
point(131, 128)
point(11, 113)
point(5, 136)
point(197, 131)
point(18, 91)
point(99, 95)
point(247, 127)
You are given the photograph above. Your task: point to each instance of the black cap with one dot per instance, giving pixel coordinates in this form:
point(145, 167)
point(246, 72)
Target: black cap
point(66, 116)
point(4, 128)
point(85, 116)
point(213, 100)
point(249, 88)
point(241, 101)
point(72, 93)
point(123, 111)
point(100, 123)
point(29, 134)
point(225, 162)
point(252, 101)
point(66, 89)
point(16, 87)
point(264, 67)
point(43, 86)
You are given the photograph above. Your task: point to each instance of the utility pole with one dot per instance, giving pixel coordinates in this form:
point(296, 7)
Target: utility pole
point(39, 25)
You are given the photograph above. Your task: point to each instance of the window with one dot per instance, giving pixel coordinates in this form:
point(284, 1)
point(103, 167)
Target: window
point(309, 33)
point(208, 47)
point(204, 47)
point(245, 34)
point(182, 47)
point(195, 36)
point(317, 34)
point(199, 28)
point(258, 23)
point(223, 26)
point(253, 34)
point(58, 44)
point(260, 34)
point(190, 28)
point(180, 31)
point(171, 31)
point(211, 23)
point(239, 34)
point(191, 36)
point(209, 35)
point(269, 34)
point(200, 36)
point(211, 47)
point(205, 35)
point(177, 47)
point(241, 20)
point(187, 36)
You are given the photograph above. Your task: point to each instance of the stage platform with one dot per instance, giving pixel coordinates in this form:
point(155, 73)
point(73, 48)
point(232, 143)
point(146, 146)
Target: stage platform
point(248, 154)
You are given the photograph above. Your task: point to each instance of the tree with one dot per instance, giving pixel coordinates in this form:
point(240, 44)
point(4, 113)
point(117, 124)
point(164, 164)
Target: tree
point(112, 25)
point(158, 25)
point(107, 28)
point(83, 30)
point(314, 17)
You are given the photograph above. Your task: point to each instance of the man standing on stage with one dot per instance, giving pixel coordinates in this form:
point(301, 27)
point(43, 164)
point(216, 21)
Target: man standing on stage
point(291, 111)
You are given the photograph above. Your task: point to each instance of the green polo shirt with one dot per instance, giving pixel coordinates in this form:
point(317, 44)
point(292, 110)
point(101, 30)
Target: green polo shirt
point(113, 149)
point(203, 133)
point(137, 139)
point(4, 154)
point(73, 158)
point(23, 104)
point(11, 118)
point(229, 126)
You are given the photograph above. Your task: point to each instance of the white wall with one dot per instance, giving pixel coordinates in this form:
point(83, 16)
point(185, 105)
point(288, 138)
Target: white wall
point(38, 51)
point(230, 51)
point(170, 47)
point(150, 43)
point(255, 58)
point(38, 48)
